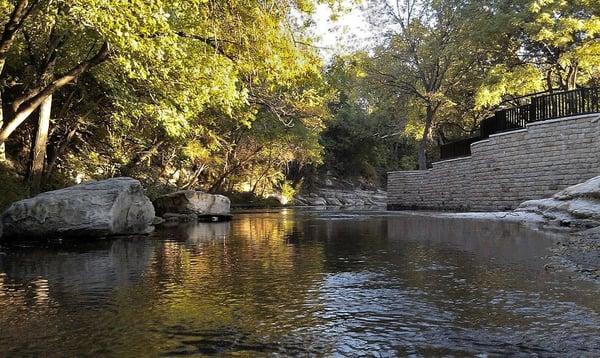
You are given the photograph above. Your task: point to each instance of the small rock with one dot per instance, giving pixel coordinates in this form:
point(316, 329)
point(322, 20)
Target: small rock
point(157, 220)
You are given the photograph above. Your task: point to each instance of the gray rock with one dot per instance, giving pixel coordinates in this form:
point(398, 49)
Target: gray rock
point(346, 198)
point(586, 190)
point(348, 201)
point(192, 202)
point(168, 217)
point(317, 202)
point(333, 201)
point(109, 207)
point(300, 200)
point(578, 205)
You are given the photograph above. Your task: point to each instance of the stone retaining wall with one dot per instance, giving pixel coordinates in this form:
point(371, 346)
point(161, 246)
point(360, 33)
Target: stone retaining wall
point(506, 169)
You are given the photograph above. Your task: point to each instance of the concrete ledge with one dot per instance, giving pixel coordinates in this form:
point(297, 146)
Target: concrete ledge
point(397, 207)
point(409, 172)
point(451, 160)
point(561, 119)
point(480, 142)
point(507, 133)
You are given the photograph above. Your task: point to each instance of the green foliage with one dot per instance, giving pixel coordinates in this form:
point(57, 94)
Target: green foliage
point(13, 188)
point(554, 46)
point(365, 138)
point(430, 64)
point(232, 96)
point(500, 81)
point(206, 94)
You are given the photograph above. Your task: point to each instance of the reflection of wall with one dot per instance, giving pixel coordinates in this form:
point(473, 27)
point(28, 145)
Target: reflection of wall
point(485, 238)
point(506, 169)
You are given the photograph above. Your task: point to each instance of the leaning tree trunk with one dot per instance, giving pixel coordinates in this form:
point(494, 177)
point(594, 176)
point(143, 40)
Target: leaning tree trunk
point(423, 143)
point(33, 103)
point(39, 149)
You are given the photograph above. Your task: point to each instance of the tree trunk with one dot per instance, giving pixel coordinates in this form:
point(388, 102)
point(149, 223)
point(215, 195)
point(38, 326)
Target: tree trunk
point(423, 143)
point(216, 187)
point(39, 149)
point(55, 154)
point(572, 76)
point(255, 186)
point(32, 104)
point(194, 179)
point(12, 26)
point(2, 146)
point(15, 22)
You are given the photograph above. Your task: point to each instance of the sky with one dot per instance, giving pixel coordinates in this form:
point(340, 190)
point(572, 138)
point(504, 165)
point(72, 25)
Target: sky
point(350, 31)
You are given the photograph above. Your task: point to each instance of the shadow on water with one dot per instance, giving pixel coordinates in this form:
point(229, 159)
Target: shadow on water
point(298, 283)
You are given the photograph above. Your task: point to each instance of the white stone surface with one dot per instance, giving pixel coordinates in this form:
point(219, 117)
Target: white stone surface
point(578, 205)
point(511, 216)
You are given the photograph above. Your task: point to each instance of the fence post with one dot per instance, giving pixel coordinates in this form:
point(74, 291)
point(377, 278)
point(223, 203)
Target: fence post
point(532, 110)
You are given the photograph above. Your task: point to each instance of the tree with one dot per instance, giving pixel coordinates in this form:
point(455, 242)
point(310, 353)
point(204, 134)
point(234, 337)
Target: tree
point(365, 139)
point(426, 55)
point(16, 19)
point(176, 79)
point(38, 157)
point(44, 82)
point(554, 46)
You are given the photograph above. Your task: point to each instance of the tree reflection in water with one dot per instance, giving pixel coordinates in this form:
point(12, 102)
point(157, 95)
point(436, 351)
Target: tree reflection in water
point(297, 283)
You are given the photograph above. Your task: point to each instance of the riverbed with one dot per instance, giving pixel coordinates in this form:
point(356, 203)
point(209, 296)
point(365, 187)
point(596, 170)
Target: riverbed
point(302, 282)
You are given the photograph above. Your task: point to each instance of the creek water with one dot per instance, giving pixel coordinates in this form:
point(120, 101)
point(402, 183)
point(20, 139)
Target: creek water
point(301, 283)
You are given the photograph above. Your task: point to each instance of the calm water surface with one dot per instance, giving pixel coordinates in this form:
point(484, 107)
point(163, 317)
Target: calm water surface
point(299, 283)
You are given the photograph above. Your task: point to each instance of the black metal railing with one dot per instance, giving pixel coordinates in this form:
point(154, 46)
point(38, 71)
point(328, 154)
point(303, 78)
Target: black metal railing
point(459, 148)
point(542, 108)
point(537, 108)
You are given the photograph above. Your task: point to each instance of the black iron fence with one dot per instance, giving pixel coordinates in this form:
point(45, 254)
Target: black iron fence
point(459, 148)
point(538, 108)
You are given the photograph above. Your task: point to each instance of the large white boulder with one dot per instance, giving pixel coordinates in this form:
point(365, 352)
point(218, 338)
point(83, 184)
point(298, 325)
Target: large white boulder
point(109, 207)
point(194, 203)
point(577, 205)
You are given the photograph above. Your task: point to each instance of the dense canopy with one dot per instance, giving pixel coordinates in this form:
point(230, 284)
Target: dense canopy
point(234, 96)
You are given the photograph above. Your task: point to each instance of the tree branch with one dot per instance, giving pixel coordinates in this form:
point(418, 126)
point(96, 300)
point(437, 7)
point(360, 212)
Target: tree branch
point(33, 103)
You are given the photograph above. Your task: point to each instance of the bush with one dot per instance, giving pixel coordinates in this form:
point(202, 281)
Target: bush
point(249, 200)
point(13, 186)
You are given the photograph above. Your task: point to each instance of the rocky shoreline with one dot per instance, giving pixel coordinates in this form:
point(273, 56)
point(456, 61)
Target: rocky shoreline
point(343, 198)
point(576, 209)
point(105, 208)
point(577, 253)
